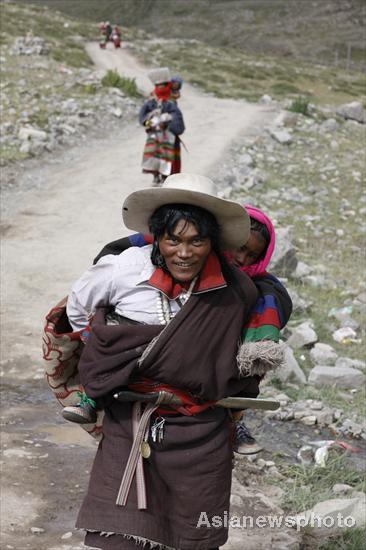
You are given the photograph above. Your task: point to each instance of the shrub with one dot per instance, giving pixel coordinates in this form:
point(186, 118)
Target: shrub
point(114, 80)
point(300, 105)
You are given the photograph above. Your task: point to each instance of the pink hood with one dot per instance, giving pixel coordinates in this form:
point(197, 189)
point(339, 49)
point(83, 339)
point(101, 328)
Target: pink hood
point(260, 266)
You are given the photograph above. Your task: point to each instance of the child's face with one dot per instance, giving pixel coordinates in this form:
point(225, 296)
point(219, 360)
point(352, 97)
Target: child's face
point(250, 252)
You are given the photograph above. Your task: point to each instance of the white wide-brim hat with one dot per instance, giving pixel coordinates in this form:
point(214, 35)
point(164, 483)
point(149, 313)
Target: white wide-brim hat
point(233, 220)
point(158, 76)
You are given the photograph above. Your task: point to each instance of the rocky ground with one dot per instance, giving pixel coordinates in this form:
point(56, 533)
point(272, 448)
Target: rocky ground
point(307, 172)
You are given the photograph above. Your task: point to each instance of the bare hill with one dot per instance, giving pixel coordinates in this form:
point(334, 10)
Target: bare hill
point(323, 30)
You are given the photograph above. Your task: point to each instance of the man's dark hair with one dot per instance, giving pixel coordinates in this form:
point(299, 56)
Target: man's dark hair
point(166, 217)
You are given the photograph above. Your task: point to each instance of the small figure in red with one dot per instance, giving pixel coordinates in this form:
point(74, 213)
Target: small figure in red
point(116, 36)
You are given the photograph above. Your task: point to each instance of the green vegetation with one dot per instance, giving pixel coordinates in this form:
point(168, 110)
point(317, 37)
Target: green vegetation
point(319, 31)
point(231, 73)
point(348, 539)
point(64, 37)
point(314, 484)
point(115, 80)
point(300, 105)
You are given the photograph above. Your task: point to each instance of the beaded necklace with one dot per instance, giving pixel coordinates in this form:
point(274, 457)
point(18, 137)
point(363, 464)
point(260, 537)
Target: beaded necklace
point(163, 309)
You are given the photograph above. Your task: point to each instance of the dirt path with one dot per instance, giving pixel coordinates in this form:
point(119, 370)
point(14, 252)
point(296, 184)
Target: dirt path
point(53, 230)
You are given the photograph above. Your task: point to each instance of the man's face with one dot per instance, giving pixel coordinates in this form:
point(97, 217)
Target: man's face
point(184, 251)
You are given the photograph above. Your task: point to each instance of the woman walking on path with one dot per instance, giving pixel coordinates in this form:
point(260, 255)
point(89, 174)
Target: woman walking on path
point(181, 311)
point(163, 122)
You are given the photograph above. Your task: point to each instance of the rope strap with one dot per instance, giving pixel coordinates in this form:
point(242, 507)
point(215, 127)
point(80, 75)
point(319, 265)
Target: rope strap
point(134, 462)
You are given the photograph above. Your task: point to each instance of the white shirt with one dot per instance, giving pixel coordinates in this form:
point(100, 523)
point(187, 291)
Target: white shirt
point(113, 282)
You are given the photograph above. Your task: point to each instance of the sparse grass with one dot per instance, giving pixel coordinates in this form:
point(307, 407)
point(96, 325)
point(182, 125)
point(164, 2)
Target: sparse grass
point(234, 74)
point(115, 80)
point(281, 29)
point(346, 539)
point(64, 37)
point(314, 484)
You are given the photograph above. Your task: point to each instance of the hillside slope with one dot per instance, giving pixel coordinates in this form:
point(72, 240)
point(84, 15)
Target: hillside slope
point(328, 31)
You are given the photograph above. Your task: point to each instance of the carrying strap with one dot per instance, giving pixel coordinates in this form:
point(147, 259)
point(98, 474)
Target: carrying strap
point(134, 462)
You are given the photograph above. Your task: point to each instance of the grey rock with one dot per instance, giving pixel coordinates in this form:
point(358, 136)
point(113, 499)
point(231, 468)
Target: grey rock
point(348, 362)
point(353, 111)
point(309, 420)
point(323, 354)
point(324, 417)
point(354, 508)
point(282, 136)
point(303, 335)
point(265, 99)
point(37, 530)
point(343, 316)
point(284, 261)
point(316, 281)
point(117, 112)
point(255, 178)
point(290, 371)
point(299, 304)
point(287, 119)
point(341, 377)
point(29, 45)
point(353, 429)
point(344, 334)
point(25, 147)
point(246, 159)
point(305, 455)
point(27, 132)
point(302, 269)
point(341, 488)
point(315, 405)
point(329, 125)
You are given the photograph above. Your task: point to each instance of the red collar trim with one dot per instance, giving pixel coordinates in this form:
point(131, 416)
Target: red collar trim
point(210, 278)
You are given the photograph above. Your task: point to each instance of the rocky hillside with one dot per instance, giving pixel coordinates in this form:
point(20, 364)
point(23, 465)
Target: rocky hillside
point(328, 31)
point(50, 95)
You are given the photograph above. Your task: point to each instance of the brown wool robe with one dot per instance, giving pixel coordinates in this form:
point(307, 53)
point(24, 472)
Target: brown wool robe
point(189, 473)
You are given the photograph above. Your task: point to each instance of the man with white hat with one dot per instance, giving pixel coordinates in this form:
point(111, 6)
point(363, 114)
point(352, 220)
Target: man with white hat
point(163, 122)
point(178, 315)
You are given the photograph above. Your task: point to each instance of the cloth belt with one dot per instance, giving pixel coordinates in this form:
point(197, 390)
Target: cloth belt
point(134, 463)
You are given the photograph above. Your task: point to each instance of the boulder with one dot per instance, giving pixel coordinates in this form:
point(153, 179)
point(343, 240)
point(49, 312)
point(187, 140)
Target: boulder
point(341, 377)
point(302, 269)
point(341, 488)
point(353, 111)
point(323, 354)
point(344, 335)
point(290, 371)
point(27, 132)
point(329, 515)
point(348, 362)
point(283, 262)
point(281, 136)
point(299, 305)
point(287, 119)
point(316, 281)
point(265, 99)
point(302, 336)
point(329, 125)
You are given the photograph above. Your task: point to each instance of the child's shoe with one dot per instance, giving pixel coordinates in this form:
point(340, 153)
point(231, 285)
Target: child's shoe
point(244, 443)
point(82, 413)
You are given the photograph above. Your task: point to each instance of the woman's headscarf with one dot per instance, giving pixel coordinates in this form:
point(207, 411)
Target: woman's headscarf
point(163, 92)
point(260, 266)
